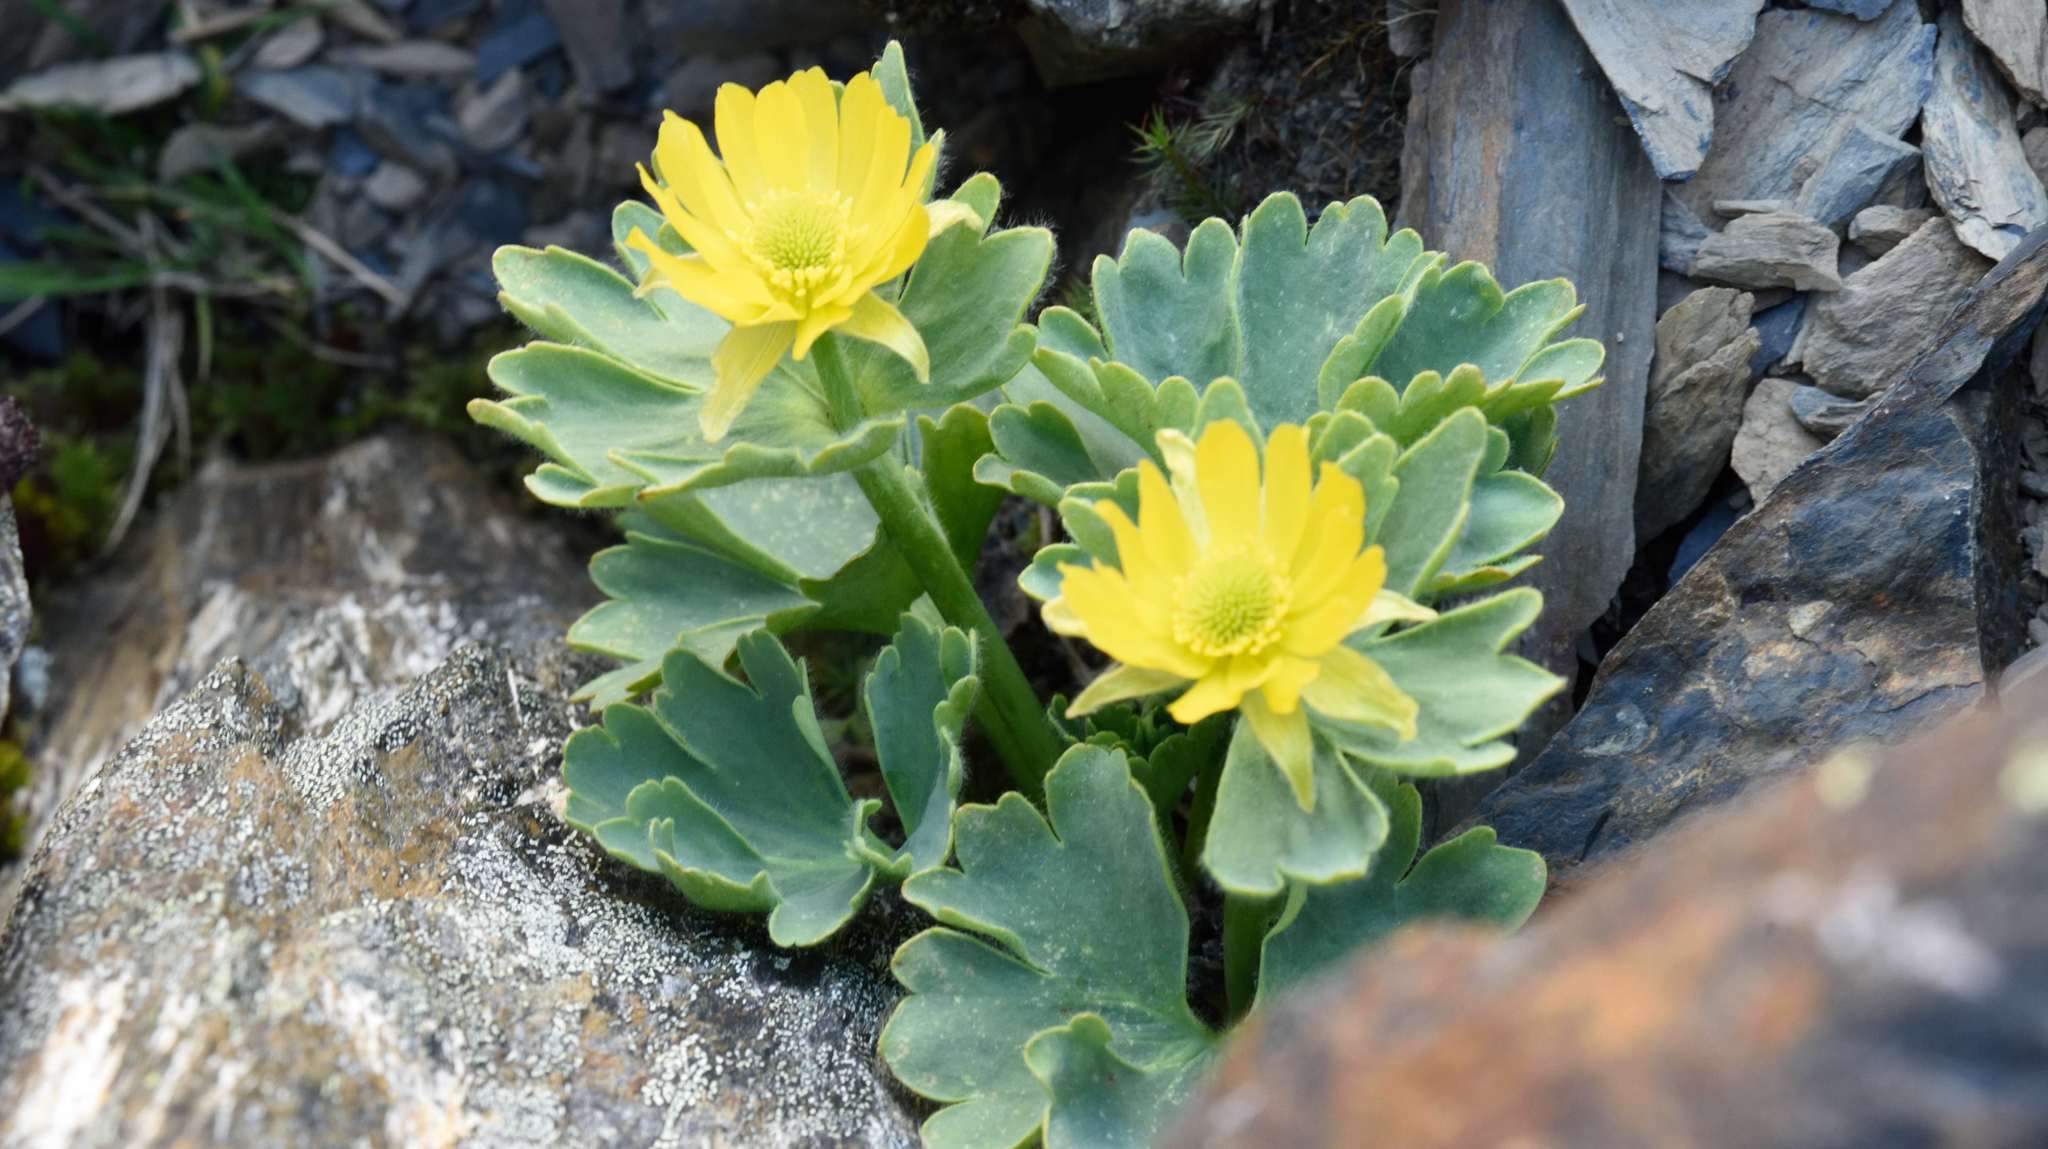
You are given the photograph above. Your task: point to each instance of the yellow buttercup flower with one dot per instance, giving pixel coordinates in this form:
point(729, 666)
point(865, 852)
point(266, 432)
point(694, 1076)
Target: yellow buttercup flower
point(813, 200)
point(1241, 596)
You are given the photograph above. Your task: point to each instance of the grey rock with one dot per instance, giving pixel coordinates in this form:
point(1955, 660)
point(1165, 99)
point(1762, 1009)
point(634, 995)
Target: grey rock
point(492, 117)
point(2035, 146)
point(1730, 208)
point(338, 579)
point(692, 87)
point(1771, 249)
point(1854, 173)
point(1411, 26)
point(421, 59)
point(1976, 168)
point(1680, 233)
point(314, 97)
point(1698, 382)
point(31, 41)
point(619, 147)
point(360, 18)
point(395, 187)
point(1530, 168)
point(1807, 77)
point(15, 610)
point(1823, 414)
point(595, 35)
point(1664, 60)
point(201, 147)
point(1771, 442)
point(1778, 327)
point(1077, 41)
point(290, 46)
point(109, 87)
point(1872, 594)
point(1889, 312)
point(1861, 9)
point(390, 926)
point(514, 43)
point(1879, 229)
point(2015, 32)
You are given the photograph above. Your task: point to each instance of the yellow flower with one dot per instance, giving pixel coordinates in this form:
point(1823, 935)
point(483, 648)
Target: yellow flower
point(813, 200)
point(1241, 596)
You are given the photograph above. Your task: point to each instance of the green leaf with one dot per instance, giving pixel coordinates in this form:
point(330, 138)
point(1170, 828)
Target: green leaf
point(1433, 503)
point(663, 594)
point(966, 295)
point(950, 449)
point(1471, 694)
point(788, 529)
point(729, 789)
point(1260, 838)
point(1462, 316)
point(1086, 946)
point(892, 75)
point(1469, 878)
point(570, 299)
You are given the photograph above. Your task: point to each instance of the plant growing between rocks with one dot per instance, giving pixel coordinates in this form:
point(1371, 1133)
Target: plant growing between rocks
point(1295, 466)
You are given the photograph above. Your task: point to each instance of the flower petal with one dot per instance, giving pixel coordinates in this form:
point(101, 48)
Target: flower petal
point(785, 140)
point(1286, 491)
point(944, 213)
point(1120, 684)
point(1319, 624)
point(821, 126)
point(1283, 690)
point(744, 357)
point(698, 181)
point(884, 177)
point(1227, 472)
point(1105, 604)
point(860, 108)
point(876, 320)
point(733, 299)
point(1287, 740)
point(817, 321)
point(1335, 531)
point(1223, 688)
point(1354, 688)
point(1392, 606)
point(738, 142)
point(1161, 525)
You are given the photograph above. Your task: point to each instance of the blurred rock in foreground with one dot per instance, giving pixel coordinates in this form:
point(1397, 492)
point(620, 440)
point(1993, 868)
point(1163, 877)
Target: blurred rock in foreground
point(1857, 958)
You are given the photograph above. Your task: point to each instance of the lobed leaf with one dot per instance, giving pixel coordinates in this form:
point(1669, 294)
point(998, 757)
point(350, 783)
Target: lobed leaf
point(1469, 878)
point(1066, 1018)
point(1260, 839)
point(729, 790)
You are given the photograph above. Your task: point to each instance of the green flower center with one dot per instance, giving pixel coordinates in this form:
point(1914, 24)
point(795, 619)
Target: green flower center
point(799, 235)
point(1230, 603)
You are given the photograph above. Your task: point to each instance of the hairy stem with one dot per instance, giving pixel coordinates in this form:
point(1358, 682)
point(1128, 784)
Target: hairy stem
point(1244, 933)
point(1007, 709)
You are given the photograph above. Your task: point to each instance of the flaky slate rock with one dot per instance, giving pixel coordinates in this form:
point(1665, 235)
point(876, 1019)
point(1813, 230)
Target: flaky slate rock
point(240, 933)
point(1976, 166)
point(1790, 100)
point(1854, 959)
point(1824, 415)
point(1664, 61)
point(1771, 249)
point(1855, 173)
point(2015, 32)
point(1076, 41)
point(1874, 592)
point(1772, 441)
point(1889, 312)
point(107, 87)
point(1698, 381)
point(339, 579)
point(1880, 228)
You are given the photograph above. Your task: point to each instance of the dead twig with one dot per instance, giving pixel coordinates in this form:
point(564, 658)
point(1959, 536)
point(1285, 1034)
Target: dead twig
point(339, 256)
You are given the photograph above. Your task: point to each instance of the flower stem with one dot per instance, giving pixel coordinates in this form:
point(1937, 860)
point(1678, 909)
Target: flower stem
point(1245, 920)
point(1008, 709)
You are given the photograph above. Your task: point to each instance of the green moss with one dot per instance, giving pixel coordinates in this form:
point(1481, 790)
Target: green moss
point(13, 777)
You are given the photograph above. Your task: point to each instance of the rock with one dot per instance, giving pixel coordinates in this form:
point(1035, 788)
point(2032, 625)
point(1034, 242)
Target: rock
point(1823, 415)
point(15, 612)
point(1889, 312)
point(515, 43)
point(313, 97)
point(1976, 168)
point(1879, 229)
point(1849, 959)
point(1679, 235)
point(1806, 79)
point(594, 31)
point(1853, 175)
point(411, 123)
point(690, 89)
point(290, 46)
point(1730, 208)
point(1874, 592)
point(1771, 249)
point(1664, 61)
point(493, 117)
point(360, 18)
point(2015, 32)
point(415, 59)
point(1698, 380)
point(337, 579)
point(31, 40)
point(244, 933)
point(1777, 328)
point(1861, 9)
point(109, 87)
point(1531, 170)
point(1077, 41)
point(1411, 28)
point(2035, 145)
point(201, 147)
point(395, 187)
point(1771, 443)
